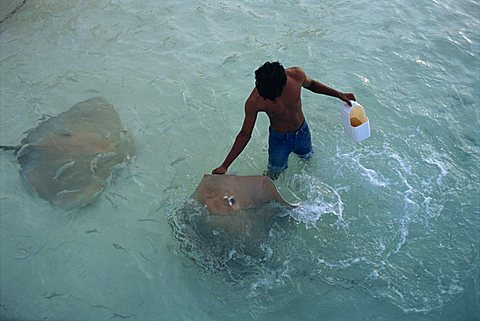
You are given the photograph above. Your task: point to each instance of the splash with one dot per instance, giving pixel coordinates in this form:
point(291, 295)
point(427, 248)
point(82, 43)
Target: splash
point(319, 199)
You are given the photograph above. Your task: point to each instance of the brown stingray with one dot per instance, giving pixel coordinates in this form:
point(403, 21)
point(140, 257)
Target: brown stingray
point(226, 194)
point(68, 158)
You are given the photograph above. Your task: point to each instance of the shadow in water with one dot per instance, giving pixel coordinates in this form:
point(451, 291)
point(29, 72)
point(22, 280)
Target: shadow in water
point(236, 244)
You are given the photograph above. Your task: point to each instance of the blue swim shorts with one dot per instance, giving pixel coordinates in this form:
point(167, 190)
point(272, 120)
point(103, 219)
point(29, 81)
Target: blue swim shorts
point(280, 145)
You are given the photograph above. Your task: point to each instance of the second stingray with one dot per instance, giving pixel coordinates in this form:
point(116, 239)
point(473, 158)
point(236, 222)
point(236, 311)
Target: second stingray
point(68, 158)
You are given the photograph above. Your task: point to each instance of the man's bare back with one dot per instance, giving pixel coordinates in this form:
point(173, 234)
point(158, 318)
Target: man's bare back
point(285, 113)
point(283, 110)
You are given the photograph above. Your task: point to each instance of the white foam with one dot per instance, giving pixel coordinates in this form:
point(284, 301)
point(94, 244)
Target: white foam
point(271, 279)
point(370, 174)
point(321, 199)
point(435, 159)
point(341, 264)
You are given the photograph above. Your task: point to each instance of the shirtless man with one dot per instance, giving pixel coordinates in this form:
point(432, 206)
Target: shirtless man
point(277, 93)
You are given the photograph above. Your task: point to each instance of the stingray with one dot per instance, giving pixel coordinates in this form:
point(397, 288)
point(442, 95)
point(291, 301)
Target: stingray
point(230, 228)
point(68, 158)
point(227, 194)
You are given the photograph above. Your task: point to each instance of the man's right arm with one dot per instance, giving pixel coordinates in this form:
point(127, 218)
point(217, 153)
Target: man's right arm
point(242, 139)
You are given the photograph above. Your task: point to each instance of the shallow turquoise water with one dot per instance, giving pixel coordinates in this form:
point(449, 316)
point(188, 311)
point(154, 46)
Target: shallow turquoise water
point(388, 229)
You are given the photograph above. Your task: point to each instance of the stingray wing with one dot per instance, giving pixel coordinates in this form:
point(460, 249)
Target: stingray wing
point(225, 194)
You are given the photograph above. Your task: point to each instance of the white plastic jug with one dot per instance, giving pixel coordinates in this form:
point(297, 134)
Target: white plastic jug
point(355, 122)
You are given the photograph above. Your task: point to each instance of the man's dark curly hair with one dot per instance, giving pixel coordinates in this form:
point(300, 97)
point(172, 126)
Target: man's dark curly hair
point(270, 79)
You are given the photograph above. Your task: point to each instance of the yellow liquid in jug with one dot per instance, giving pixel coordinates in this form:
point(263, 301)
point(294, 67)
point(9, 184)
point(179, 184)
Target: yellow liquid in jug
point(355, 122)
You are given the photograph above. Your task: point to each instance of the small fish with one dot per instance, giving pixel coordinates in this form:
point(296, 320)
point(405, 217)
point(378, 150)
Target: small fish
point(121, 316)
point(119, 247)
point(62, 169)
point(99, 306)
point(110, 200)
point(119, 195)
point(67, 191)
point(92, 231)
point(147, 259)
point(44, 117)
point(231, 58)
point(178, 160)
point(53, 295)
point(148, 220)
point(99, 156)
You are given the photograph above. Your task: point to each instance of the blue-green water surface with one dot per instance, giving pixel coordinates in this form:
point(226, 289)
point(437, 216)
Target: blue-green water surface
point(388, 229)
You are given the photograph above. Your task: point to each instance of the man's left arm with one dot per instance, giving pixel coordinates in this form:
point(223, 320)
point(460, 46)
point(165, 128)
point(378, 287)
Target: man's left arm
point(320, 88)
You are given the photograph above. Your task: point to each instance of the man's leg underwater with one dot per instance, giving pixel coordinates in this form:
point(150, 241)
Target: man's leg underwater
point(279, 148)
point(303, 143)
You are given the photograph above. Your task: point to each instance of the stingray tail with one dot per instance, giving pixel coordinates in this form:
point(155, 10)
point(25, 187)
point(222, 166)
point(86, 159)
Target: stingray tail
point(14, 148)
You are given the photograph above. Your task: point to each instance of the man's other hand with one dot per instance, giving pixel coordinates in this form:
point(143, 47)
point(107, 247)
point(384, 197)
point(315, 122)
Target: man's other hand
point(346, 97)
point(219, 170)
